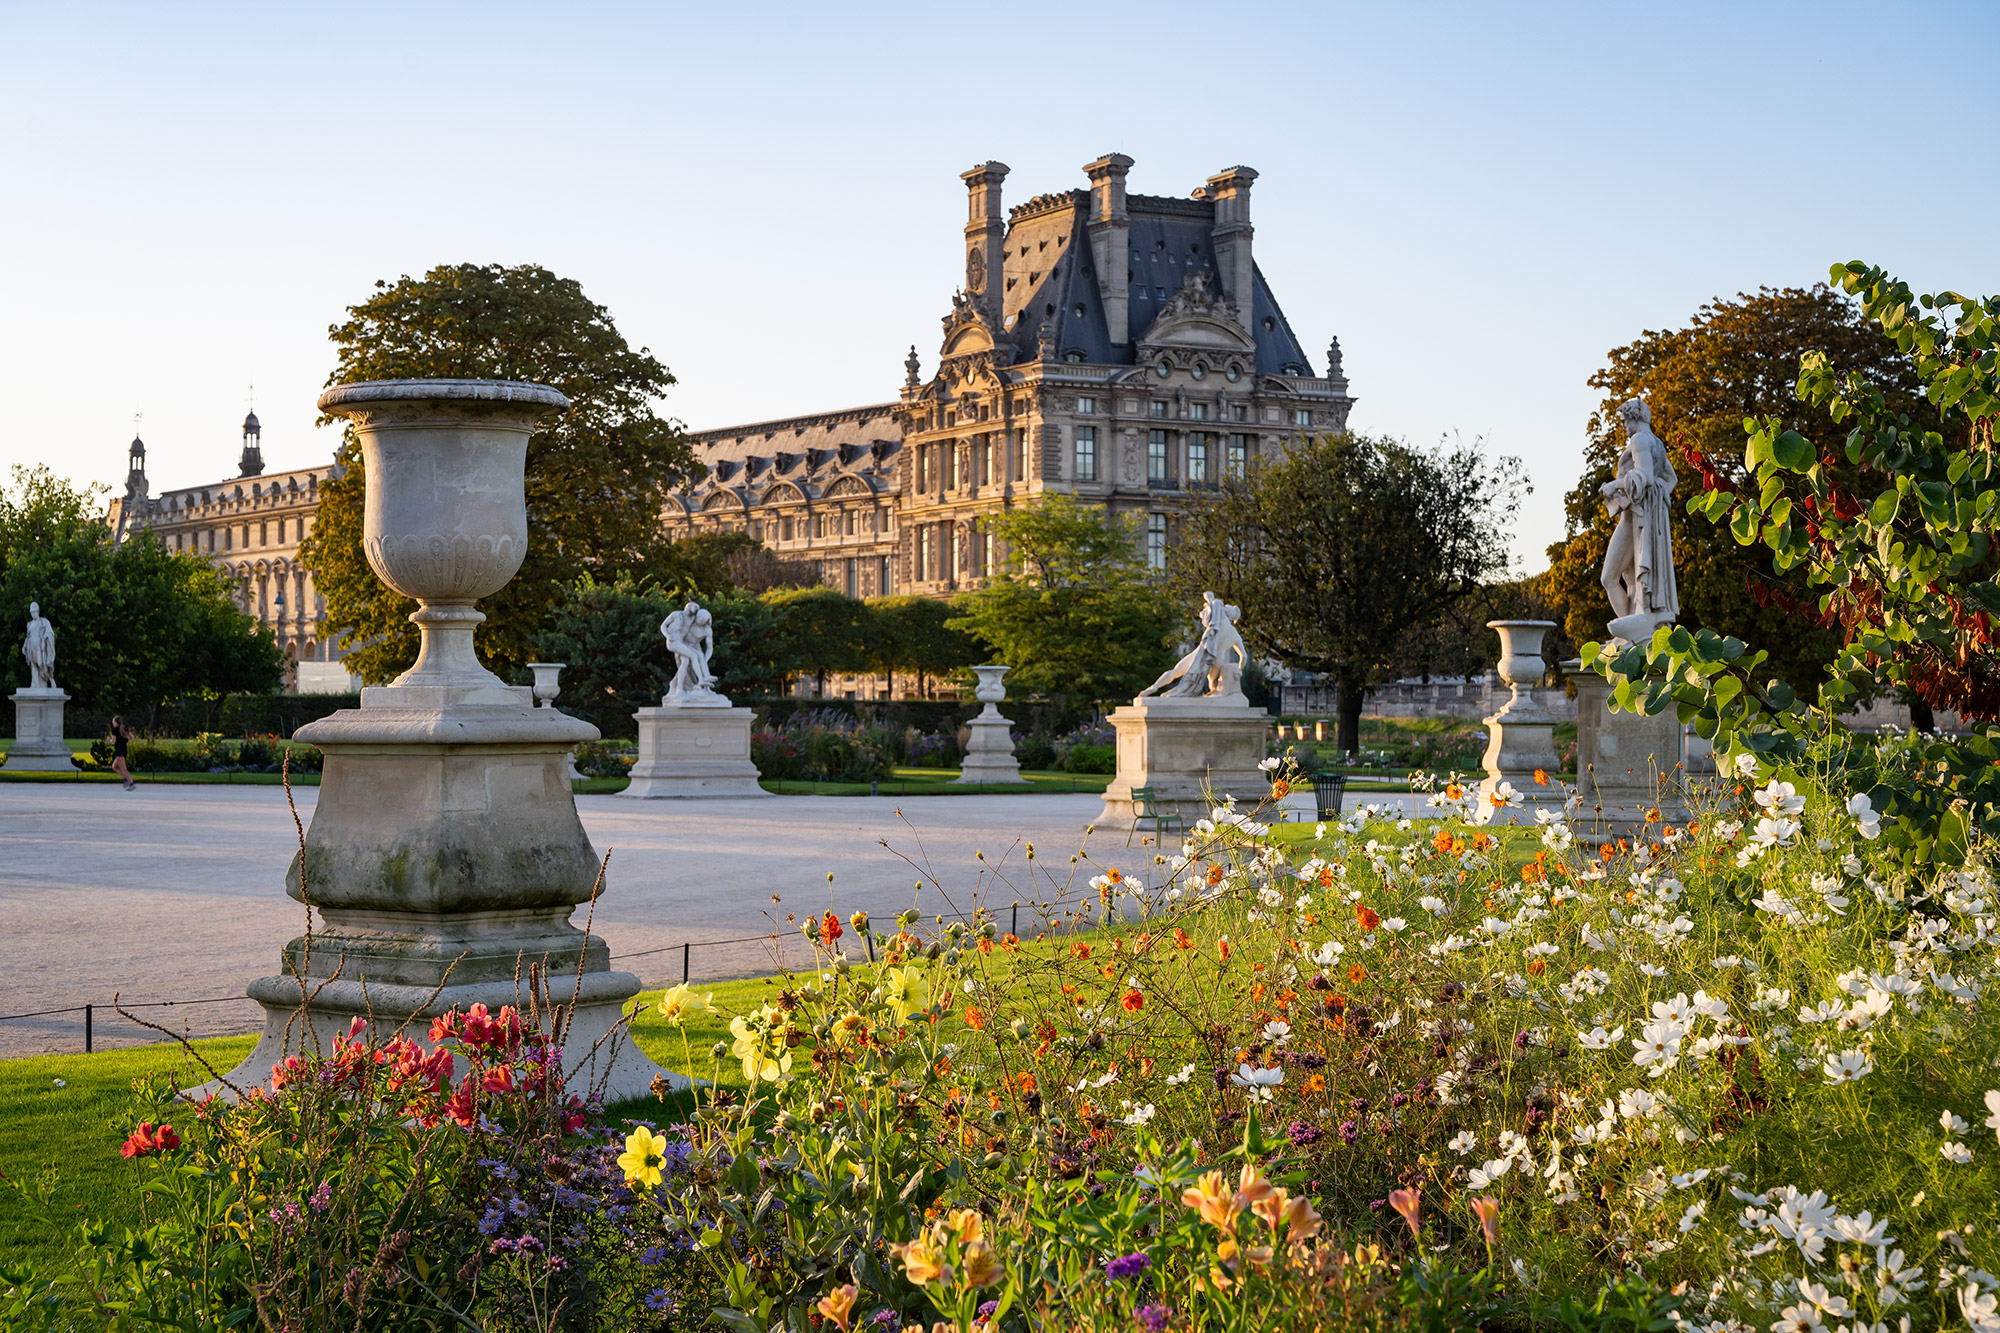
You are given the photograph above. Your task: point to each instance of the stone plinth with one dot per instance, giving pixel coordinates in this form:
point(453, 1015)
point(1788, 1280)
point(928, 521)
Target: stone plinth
point(1627, 764)
point(38, 745)
point(1520, 738)
point(989, 750)
point(1188, 751)
point(693, 752)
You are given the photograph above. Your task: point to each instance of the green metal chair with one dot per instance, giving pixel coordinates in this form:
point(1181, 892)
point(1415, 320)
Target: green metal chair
point(1146, 805)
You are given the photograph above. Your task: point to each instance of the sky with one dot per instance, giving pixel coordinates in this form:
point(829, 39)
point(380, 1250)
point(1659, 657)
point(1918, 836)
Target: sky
point(1479, 200)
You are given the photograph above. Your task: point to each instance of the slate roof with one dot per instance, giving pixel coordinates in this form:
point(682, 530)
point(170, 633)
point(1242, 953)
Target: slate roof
point(1048, 277)
point(811, 452)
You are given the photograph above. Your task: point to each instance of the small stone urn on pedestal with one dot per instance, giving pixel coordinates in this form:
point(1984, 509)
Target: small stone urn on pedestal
point(445, 856)
point(989, 752)
point(548, 688)
point(1520, 738)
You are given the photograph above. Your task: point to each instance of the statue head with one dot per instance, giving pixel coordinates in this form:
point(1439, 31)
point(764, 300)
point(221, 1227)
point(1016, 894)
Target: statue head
point(34, 610)
point(1635, 415)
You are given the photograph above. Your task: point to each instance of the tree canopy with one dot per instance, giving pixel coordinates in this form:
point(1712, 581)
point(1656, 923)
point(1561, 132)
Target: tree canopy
point(1734, 360)
point(1344, 548)
point(598, 476)
point(1073, 612)
point(136, 624)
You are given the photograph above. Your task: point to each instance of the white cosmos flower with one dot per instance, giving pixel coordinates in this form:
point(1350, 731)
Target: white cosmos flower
point(1652, 970)
point(1597, 1039)
point(1678, 1011)
point(1692, 1178)
point(1479, 1177)
point(1140, 1115)
point(1186, 1072)
point(1952, 1124)
point(1993, 1105)
point(1393, 923)
point(1270, 764)
point(1277, 1032)
point(1956, 1152)
point(1709, 1007)
point(1257, 1082)
point(1981, 1309)
point(1692, 1217)
point(1847, 1067)
point(1775, 832)
point(1780, 798)
point(1435, 906)
point(1658, 1045)
point(1746, 765)
point(1463, 1142)
point(1866, 820)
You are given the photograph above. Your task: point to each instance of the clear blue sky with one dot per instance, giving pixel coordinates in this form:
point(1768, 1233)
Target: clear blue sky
point(1481, 200)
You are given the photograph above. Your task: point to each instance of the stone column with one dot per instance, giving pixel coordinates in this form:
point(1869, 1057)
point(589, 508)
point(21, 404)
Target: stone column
point(1520, 738)
point(445, 857)
point(989, 752)
point(38, 745)
point(1628, 765)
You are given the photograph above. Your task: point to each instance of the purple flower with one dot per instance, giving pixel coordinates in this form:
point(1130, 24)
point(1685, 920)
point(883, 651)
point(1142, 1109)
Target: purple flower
point(659, 1300)
point(986, 1310)
point(1154, 1318)
point(1301, 1134)
point(322, 1196)
point(886, 1319)
point(1349, 1131)
point(1127, 1265)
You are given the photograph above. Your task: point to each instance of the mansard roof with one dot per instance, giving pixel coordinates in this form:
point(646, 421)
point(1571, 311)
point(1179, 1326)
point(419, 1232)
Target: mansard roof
point(1049, 279)
point(801, 457)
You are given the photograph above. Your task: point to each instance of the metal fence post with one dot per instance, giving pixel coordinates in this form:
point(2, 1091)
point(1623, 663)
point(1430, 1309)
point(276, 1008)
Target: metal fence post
point(86, 1029)
point(685, 948)
point(1015, 929)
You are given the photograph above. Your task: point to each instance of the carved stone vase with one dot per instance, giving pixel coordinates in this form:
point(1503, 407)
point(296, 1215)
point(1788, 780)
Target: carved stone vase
point(445, 857)
point(989, 749)
point(1520, 738)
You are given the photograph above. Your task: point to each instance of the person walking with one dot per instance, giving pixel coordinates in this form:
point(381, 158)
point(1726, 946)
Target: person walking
point(119, 738)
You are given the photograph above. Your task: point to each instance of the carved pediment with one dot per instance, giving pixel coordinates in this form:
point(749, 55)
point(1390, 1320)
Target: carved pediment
point(1196, 317)
point(968, 329)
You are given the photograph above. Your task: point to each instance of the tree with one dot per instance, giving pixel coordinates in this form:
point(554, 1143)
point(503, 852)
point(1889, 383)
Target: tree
point(598, 476)
point(1073, 613)
point(136, 624)
point(1344, 547)
point(820, 630)
point(914, 634)
point(1735, 360)
point(1891, 526)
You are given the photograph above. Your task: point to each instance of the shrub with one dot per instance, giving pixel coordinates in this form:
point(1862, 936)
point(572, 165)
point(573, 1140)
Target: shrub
point(1035, 752)
point(604, 759)
point(827, 746)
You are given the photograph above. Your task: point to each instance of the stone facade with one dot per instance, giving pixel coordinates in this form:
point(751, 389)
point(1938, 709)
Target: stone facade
point(1119, 347)
point(251, 525)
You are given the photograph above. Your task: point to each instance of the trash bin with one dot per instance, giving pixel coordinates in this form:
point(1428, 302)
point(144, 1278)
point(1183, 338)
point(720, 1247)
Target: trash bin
point(1328, 791)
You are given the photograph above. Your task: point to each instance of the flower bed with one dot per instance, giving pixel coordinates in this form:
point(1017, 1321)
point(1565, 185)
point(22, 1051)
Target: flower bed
point(1389, 1075)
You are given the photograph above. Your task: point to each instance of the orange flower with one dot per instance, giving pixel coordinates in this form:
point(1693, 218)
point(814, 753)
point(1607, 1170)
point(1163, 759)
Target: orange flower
point(1539, 966)
point(1080, 949)
point(1114, 875)
point(1480, 842)
point(1357, 973)
point(1215, 874)
point(1027, 1082)
point(1541, 778)
point(1181, 940)
point(1532, 873)
point(1280, 789)
point(1488, 1211)
point(1222, 947)
point(1653, 815)
point(838, 1305)
point(1317, 1083)
point(1214, 1200)
point(986, 946)
point(1367, 916)
point(976, 1019)
point(1326, 878)
point(1132, 1001)
point(1454, 792)
point(1442, 840)
point(1109, 971)
point(1010, 941)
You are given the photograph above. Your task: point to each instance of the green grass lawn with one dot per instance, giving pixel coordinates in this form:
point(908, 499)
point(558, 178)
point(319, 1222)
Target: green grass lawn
point(902, 782)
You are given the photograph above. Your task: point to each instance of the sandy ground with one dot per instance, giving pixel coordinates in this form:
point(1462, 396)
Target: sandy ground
point(176, 892)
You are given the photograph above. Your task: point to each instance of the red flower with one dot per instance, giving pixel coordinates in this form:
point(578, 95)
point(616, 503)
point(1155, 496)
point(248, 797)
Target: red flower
point(829, 928)
point(146, 1140)
point(1367, 916)
point(498, 1080)
point(1132, 1001)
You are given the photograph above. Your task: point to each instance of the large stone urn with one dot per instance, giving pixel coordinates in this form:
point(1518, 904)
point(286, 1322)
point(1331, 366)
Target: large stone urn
point(445, 857)
point(989, 750)
point(1520, 738)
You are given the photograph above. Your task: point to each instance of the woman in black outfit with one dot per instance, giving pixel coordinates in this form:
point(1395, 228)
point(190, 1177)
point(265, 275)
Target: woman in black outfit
point(119, 737)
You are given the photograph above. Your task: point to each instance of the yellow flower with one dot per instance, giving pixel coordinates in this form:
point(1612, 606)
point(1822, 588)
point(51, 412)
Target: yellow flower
point(760, 1045)
point(838, 1304)
point(981, 1268)
point(1253, 1188)
point(681, 1001)
point(967, 1225)
point(906, 991)
point(1212, 1197)
point(644, 1153)
point(923, 1259)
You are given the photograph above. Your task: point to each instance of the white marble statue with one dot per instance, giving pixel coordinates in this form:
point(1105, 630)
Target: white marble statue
point(690, 636)
point(1639, 566)
point(40, 650)
point(1214, 667)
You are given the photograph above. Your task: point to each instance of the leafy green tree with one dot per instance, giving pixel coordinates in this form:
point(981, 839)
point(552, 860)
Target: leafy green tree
point(1073, 612)
point(1342, 549)
point(1733, 360)
point(1890, 524)
point(136, 624)
point(820, 630)
point(914, 634)
point(598, 476)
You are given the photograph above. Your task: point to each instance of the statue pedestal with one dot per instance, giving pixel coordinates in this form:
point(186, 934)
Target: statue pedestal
point(1627, 764)
point(693, 752)
point(38, 745)
point(989, 752)
point(1188, 751)
point(1520, 738)
point(444, 860)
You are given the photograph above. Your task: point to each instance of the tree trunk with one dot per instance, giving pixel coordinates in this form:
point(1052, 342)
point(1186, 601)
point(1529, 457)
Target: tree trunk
point(1351, 695)
point(1921, 716)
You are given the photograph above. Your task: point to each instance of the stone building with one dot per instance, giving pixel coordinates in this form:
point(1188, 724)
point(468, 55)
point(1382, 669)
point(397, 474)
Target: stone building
point(1123, 348)
point(251, 525)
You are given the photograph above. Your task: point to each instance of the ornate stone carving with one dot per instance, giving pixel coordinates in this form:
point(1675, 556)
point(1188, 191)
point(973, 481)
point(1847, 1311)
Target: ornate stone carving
point(1213, 668)
point(690, 636)
point(444, 565)
point(911, 367)
point(40, 649)
point(975, 271)
point(1638, 573)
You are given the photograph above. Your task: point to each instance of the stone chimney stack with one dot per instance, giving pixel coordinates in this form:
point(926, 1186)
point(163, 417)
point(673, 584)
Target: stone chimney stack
point(1231, 192)
point(985, 237)
point(1110, 241)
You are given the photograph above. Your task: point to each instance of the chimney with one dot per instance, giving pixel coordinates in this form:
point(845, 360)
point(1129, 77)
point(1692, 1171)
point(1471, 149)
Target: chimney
point(1110, 241)
point(1230, 190)
point(985, 237)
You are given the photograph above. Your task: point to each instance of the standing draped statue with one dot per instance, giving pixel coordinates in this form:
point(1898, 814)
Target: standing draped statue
point(40, 650)
point(690, 636)
point(1214, 667)
point(1639, 566)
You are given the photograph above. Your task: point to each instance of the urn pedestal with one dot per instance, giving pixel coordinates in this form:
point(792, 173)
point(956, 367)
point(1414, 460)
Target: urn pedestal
point(1520, 738)
point(1628, 765)
point(445, 856)
point(693, 752)
point(1188, 751)
point(989, 750)
point(38, 745)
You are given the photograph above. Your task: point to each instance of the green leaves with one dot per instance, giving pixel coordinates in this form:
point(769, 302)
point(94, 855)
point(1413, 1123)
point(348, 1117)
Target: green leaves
point(1791, 452)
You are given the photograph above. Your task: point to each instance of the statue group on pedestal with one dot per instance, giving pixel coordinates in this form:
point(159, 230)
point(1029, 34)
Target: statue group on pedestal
point(1638, 572)
point(690, 636)
point(40, 650)
point(1214, 667)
